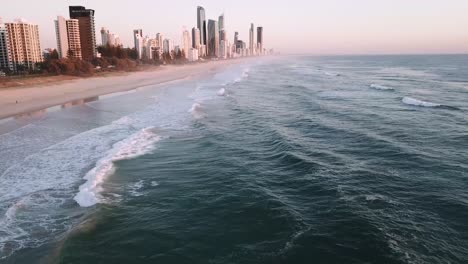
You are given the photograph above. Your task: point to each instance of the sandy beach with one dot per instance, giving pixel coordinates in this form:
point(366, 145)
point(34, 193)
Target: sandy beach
point(43, 94)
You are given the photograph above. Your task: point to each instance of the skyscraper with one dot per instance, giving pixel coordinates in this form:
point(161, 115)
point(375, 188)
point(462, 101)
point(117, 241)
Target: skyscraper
point(260, 40)
point(62, 36)
point(252, 39)
point(195, 38)
point(138, 39)
point(5, 53)
point(85, 19)
point(213, 38)
point(201, 25)
point(68, 38)
point(24, 45)
point(221, 22)
point(104, 36)
point(74, 40)
point(186, 42)
point(236, 37)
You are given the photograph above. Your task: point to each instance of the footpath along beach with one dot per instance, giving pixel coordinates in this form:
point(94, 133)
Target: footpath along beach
point(19, 100)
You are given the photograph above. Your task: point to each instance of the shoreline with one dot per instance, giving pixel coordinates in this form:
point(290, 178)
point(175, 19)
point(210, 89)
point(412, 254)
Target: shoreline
point(20, 100)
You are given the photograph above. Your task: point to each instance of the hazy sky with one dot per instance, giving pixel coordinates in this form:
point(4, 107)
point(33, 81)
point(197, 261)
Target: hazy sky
point(293, 26)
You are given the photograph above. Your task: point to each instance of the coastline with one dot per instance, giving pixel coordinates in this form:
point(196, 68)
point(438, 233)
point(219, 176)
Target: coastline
point(40, 95)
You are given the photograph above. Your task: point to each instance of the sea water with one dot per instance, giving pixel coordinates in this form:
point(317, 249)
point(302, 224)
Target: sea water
point(282, 160)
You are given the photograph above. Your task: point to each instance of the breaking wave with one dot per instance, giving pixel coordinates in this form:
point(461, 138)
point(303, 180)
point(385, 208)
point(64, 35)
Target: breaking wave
point(136, 145)
point(381, 87)
point(222, 92)
point(196, 110)
point(416, 102)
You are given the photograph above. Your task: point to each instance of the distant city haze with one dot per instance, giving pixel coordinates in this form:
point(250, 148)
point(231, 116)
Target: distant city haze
point(291, 27)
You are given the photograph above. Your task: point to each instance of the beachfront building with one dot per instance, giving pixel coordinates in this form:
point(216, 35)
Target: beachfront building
point(108, 38)
point(201, 25)
point(68, 38)
point(252, 39)
point(138, 39)
point(74, 40)
point(202, 51)
point(61, 36)
point(186, 43)
point(195, 38)
point(6, 64)
point(213, 38)
point(85, 18)
point(25, 48)
point(260, 40)
point(193, 55)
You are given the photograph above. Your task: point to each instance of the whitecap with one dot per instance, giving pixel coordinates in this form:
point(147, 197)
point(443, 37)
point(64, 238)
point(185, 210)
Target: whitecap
point(221, 92)
point(196, 110)
point(136, 145)
point(154, 183)
point(134, 189)
point(416, 102)
point(333, 74)
point(381, 87)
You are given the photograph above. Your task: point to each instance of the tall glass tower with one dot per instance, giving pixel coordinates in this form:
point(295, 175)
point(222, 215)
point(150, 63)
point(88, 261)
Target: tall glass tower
point(201, 24)
point(213, 38)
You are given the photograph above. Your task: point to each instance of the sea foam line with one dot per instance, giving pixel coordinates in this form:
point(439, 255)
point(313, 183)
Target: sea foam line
point(416, 102)
point(136, 145)
point(381, 87)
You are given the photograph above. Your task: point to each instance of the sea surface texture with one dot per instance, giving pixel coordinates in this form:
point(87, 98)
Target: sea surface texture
point(279, 160)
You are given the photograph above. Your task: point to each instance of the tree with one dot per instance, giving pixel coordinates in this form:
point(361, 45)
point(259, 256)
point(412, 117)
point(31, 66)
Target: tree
point(54, 55)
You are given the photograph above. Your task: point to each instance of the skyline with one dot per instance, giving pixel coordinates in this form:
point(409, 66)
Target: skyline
point(335, 27)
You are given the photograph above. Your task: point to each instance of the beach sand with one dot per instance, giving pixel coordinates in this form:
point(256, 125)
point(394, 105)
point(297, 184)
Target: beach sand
point(47, 93)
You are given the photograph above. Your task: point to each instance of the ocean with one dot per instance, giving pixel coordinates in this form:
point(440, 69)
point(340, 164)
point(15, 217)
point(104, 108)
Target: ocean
point(294, 159)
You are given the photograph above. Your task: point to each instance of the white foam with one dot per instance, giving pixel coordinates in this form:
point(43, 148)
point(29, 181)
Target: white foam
point(221, 92)
point(332, 74)
point(134, 189)
point(197, 110)
point(380, 87)
point(136, 145)
point(416, 102)
point(154, 183)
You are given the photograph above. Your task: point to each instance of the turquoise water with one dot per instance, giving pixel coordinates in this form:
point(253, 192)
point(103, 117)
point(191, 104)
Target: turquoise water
point(285, 160)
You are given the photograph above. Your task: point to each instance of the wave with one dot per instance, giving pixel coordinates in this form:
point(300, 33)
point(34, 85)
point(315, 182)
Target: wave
point(416, 102)
point(221, 92)
point(333, 74)
point(381, 87)
point(197, 111)
point(136, 145)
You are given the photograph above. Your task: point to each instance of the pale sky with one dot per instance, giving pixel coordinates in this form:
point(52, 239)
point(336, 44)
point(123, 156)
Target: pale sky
point(292, 26)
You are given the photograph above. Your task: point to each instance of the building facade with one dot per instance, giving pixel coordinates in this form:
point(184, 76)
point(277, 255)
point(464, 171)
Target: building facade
point(6, 64)
point(213, 38)
point(195, 38)
point(87, 31)
point(25, 48)
point(138, 39)
point(187, 42)
point(68, 38)
point(260, 40)
point(61, 36)
point(252, 39)
point(201, 25)
point(74, 40)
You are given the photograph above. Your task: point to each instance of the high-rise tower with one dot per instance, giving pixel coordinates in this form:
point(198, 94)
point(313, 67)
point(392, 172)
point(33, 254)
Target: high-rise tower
point(260, 40)
point(201, 25)
point(252, 39)
point(87, 29)
point(213, 38)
